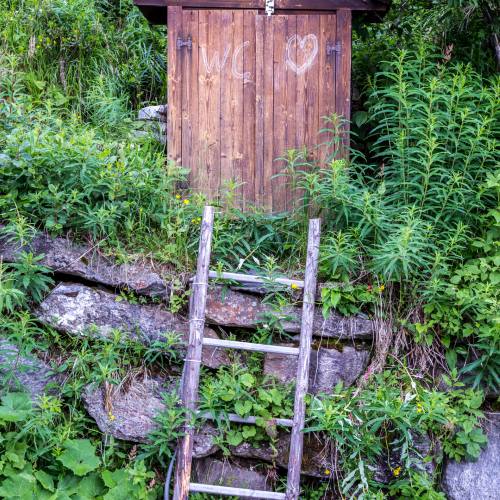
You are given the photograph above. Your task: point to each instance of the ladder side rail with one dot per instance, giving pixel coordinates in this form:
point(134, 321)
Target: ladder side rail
point(193, 359)
point(302, 380)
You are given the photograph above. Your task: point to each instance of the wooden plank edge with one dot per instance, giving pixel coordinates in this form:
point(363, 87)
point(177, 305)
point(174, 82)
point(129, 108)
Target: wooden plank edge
point(250, 420)
point(248, 278)
point(238, 492)
point(248, 346)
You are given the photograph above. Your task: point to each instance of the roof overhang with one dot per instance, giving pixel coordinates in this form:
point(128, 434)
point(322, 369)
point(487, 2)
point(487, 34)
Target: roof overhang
point(155, 11)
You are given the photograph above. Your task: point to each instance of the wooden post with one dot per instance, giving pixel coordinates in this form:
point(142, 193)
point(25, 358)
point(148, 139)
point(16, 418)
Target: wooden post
point(302, 380)
point(193, 359)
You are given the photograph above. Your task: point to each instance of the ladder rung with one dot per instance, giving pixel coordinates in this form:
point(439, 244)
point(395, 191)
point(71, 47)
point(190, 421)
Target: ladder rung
point(250, 420)
point(248, 346)
point(237, 492)
point(257, 280)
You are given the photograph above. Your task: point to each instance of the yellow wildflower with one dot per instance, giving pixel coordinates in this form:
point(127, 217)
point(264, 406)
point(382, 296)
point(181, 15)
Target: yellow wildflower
point(186, 202)
point(112, 417)
point(382, 287)
point(177, 196)
point(109, 413)
point(199, 219)
point(38, 46)
point(192, 220)
point(327, 472)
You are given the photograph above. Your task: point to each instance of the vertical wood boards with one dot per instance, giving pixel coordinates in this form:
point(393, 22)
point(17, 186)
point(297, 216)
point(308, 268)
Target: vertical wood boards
point(209, 101)
point(327, 87)
point(264, 120)
point(248, 176)
point(343, 79)
point(302, 380)
point(190, 94)
point(193, 358)
point(174, 117)
point(231, 117)
point(251, 88)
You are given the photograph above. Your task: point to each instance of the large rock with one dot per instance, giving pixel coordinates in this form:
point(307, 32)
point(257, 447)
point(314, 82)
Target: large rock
point(133, 407)
point(476, 480)
point(243, 310)
point(153, 113)
point(30, 373)
point(72, 308)
point(327, 367)
point(230, 471)
point(315, 459)
point(84, 261)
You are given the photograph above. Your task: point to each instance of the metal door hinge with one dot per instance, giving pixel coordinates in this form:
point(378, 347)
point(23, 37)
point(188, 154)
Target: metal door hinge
point(180, 43)
point(334, 48)
point(269, 7)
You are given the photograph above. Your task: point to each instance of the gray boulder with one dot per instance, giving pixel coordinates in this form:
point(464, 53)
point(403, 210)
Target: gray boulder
point(327, 367)
point(153, 113)
point(30, 373)
point(476, 480)
point(85, 262)
point(315, 461)
point(127, 412)
point(230, 471)
point(72, 308)
point(243, 310)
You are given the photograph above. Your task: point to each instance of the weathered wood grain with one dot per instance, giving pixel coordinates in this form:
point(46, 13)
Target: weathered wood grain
point(327, 87)
point(248, 346)
point(302, 380)
point(343, 80)
point(239, 492)
point(174, 111)
point(193, 358)
point(190, 94)
point(249, 69)
point(209, 101)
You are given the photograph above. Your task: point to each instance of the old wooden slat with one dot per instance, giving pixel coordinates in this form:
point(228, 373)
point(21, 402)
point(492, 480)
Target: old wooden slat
point(193, 359)
point(190, 93)
point(248, 346)
point(248, 169)
point(307, 106)
point(239, 492)
point(249, 420)
point(343, 80)
point(264, 121)
point(231, 117)
point(302, 379)
point(363, 5)
point(174, 116)
point(257, 280)
point(209, 101)
point(327, 87)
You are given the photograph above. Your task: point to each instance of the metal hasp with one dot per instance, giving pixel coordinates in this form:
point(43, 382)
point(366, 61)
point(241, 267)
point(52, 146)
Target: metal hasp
point(333, 48)
point(269, 7)
point(180, 43)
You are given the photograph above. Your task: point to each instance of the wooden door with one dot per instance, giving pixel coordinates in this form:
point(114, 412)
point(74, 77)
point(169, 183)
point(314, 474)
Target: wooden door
point(244, 88)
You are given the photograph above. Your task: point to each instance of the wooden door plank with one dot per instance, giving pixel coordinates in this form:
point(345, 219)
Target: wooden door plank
point(231, 117)
point(248, 169)
point(307, 106)
point(302, 380)
point(193, 358)
point(264, 119)
point(285, 51)
point(174, 90)
point(327, 87)
point(190, 141)
point(209, 60)
point(344, 34)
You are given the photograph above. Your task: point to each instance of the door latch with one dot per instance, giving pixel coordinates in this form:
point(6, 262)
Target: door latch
point(180, 43)
point(333, 48)
point(269, 7)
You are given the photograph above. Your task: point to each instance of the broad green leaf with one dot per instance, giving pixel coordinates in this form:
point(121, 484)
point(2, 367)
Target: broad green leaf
point(45, 480)
point(79, 457)
point(248, 431)
point(17, 488)
point(234, 438)
point(243, 407)
point(247, 379)
point(15, 406)
point(91, 487)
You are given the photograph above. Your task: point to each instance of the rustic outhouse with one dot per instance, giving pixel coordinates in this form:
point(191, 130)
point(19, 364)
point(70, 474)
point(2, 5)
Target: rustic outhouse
point(249, 79)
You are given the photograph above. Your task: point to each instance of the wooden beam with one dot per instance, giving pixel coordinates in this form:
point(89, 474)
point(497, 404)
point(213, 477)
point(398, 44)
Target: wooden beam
point(278, 5)
point(248, 346)
point(255, 280)
point(237, 492)
point(193, 359)
point(302, 380)
point(250, 420)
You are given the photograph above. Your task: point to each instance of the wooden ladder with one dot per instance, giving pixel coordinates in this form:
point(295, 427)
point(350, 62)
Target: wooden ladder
point(182, 481)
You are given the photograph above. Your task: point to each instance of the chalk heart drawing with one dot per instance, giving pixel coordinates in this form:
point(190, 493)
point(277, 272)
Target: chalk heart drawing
point(300, 44)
